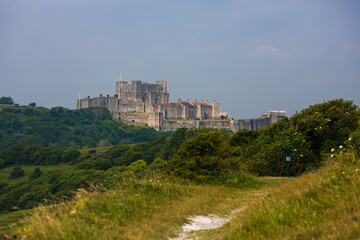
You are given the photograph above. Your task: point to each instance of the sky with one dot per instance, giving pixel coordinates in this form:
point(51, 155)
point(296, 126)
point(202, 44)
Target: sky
point(251, 56)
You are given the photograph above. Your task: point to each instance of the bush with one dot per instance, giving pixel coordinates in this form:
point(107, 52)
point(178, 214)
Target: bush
point(37, 173)
point(203, 158)
point(17, 172)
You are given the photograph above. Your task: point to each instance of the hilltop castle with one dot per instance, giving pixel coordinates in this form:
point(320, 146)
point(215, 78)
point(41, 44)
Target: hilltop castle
point(141, 103)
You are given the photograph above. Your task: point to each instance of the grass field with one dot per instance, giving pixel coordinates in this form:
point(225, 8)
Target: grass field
point(321, 205)
point(85, 152)
point(8, 221)
point(28, 170)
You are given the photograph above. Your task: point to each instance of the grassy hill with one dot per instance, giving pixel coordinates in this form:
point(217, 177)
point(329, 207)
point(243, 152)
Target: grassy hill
point(319, 205)
point(149, 190)
point(62, 128)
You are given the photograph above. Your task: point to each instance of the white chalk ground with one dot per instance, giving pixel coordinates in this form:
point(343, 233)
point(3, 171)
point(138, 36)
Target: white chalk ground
point(203, 223)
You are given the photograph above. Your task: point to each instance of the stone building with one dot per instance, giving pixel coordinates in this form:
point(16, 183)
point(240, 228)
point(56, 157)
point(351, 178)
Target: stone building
point(141, 103)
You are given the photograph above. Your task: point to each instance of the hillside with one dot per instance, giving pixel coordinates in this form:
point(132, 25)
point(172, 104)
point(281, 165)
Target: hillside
point(62, 128)
point(149, 190)
point(320, 205)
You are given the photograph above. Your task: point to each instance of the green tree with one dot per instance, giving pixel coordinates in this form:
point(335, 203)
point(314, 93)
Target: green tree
point(71, 155)
point(137, 167)
point(37, 173)
point(6, 100)
point(17, 172)
point(327, 125)
point(203, 158)
point(174, 142)
point(33, 104)
point(102, 164)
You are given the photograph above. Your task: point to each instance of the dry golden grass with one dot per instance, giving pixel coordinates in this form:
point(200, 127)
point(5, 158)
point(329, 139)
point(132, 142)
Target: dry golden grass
point(145, 209)
point(320, 205)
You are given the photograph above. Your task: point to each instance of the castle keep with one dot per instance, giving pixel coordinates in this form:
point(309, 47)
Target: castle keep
point(141, 103)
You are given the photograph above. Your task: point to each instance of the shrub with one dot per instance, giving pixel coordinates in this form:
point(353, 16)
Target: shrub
point(203, 158)
point(17, 172)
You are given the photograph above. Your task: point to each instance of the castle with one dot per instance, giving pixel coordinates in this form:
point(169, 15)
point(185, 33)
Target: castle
point(141, 103)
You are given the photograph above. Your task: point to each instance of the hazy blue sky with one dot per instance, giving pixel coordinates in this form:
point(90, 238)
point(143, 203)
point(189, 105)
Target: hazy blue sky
point(251, 56)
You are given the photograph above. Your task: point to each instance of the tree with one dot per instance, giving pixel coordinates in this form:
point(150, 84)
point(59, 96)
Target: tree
point(71, 155)
point(203, 158)
point(37, 173)
point(6, 100)
point(33, 104)
point(17, 172)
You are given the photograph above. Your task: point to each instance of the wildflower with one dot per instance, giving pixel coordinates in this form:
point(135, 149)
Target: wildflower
point(343, 173)
point(340, 152)
point(295, 149)
point(56, 214)
point(349, 138)
point(341, 146)
point(73, 211)
point(332, 155)
point(332, 150)
point(301, 155)
point(356, 170)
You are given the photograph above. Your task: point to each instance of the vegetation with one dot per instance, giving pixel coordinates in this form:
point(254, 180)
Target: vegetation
point(313, 132)
point(131, 184)
point(6, 100)
point(61, 128)
point(319, 205)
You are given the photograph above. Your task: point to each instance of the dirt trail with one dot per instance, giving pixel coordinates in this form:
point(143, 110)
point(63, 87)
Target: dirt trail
point(204, 223)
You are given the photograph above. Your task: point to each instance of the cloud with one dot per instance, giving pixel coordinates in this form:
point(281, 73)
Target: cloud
point(348, 46)
point(271, 50)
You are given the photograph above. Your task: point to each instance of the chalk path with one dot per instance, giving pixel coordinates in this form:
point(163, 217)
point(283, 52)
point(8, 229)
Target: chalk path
point(204, 223)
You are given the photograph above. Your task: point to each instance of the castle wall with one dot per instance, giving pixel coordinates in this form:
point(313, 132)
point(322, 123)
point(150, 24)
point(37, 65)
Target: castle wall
point(155, 120)
point(137, 119)
point(207, 111)
point(233, 125)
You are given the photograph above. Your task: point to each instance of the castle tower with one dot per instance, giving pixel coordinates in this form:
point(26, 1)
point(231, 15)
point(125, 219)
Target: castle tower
point(120, 88)
point(163, 84)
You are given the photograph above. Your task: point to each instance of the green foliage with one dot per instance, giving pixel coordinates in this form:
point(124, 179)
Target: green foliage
point(17, 172)
point(312, 132)
point(43, 186)
point(102, 164)
point(37, 173)
point(264, 155)
point(320, 205)
point(327, 125)
point(33, 104)
point(62, 128)
point(158, 164)
point(70, 155)
point(6, 100)
point(137, 167)
point(203, 158)
point(35, 155)
point(175, 141)
point(243, 137)
point(354, 141)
